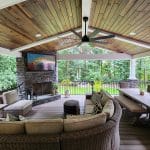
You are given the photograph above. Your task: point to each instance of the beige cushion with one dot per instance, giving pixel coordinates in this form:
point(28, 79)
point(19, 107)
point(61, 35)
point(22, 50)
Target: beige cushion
point(44, 126)
point(109, 108)
point(106, 96)
point(84, 123)
point(89, 109)
point(15, 127)
point(10, 97)
point(19, 105)
point(78, 116)
point(88, 102)
point(96, 99)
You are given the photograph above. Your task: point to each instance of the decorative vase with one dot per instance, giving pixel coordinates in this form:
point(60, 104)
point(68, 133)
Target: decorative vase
point(67, 93)
point(141, 92)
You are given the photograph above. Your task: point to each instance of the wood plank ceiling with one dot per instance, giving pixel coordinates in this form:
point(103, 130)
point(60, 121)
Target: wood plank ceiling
point(123, 17)
point(20, 23)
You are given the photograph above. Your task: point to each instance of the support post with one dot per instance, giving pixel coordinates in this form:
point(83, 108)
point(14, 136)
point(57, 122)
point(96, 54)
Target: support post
point(132, 75)
point(133, 81)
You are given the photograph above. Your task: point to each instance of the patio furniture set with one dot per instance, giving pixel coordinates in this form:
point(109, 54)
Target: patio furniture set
point(88, 131)
point(135, 102)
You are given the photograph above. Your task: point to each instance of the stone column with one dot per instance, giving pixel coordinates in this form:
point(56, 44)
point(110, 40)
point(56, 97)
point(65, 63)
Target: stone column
point(20, 77)
point(56, 71)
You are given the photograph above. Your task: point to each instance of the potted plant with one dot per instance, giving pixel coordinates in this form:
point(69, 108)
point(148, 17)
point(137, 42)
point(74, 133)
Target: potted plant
point(55, 88)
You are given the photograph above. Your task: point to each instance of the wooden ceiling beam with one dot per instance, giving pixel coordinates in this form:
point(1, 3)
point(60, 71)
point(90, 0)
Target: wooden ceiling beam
point(44, 41)
point(124, 38)
point(7, 3)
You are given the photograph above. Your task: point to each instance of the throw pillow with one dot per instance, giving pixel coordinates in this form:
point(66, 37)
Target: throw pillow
point(96, 99)
point(109, 108)
point(10, 117)
point(97, 109)
point(106, 96)
point(22, 118)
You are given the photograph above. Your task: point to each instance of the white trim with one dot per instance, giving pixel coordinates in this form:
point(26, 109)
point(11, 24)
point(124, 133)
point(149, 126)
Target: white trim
point(110, 56)
point(4, 51)
point(49, 39)
point(120, 38)
point(86, 9)
point(7, 3)
point(142, 54)
point(132, 75)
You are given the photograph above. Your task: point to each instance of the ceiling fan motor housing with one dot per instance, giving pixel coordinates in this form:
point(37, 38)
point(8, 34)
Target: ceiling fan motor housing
point(85, 38)
point(85, 19)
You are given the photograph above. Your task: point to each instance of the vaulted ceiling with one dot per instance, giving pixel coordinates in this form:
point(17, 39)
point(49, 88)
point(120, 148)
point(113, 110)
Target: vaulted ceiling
point(20, 23)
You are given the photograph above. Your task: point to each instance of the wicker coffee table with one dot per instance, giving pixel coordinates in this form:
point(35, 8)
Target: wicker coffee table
point(71, 107)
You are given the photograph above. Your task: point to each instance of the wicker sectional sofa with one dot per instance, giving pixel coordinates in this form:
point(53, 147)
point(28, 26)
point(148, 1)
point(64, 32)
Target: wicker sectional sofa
point(59, 134)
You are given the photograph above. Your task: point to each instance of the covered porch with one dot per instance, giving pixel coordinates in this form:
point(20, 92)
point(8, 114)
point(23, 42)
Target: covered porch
point(45, 27)
point(116, 26)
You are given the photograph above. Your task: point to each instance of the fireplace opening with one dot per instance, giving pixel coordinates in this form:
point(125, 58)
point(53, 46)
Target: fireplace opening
point(42, 88)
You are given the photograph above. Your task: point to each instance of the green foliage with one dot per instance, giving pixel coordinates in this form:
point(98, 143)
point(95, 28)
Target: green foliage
point(97, 85)
point(104, 70)
point(7, 72)
point(143, 69)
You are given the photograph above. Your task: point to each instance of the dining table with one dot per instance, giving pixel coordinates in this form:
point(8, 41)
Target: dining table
point(135, 95)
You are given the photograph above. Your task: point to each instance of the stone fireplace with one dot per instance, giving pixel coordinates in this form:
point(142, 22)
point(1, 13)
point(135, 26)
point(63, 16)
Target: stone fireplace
point(39, 82)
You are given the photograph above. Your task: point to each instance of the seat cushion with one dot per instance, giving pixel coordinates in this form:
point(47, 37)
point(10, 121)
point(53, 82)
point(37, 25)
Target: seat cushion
point(89, 109)
point(88, 102)
point(10, 97)
point(106, 96)
point(77, 116)
point(44, 126)
point(15, 127)
point(19, 105)
point(109, 108)
point(84, 122)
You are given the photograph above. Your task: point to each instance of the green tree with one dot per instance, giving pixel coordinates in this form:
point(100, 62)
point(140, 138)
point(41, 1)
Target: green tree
point(7, 72)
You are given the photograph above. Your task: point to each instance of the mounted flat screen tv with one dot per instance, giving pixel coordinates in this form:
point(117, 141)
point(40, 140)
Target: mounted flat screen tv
point(40, 62)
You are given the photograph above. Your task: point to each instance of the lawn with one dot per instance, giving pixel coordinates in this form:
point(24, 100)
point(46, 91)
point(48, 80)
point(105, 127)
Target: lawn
point(81, 90)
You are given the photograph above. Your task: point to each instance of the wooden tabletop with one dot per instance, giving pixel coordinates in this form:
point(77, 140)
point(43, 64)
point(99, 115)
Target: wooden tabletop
point(134, 93)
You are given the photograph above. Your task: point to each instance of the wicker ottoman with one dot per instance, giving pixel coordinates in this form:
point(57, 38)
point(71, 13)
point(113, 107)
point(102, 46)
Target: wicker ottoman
point(71, 107)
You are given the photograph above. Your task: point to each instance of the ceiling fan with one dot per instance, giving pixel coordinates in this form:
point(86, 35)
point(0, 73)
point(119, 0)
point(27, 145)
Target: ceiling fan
point(91, 37)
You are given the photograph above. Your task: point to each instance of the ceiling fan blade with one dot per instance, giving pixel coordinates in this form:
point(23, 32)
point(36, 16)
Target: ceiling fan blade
point(94, 33)
point(103, 37)
point(77, 34)
point(101, 42)
point(68, 38)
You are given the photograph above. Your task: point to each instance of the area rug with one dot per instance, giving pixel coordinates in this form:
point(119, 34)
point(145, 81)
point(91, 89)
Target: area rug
point(55, 108)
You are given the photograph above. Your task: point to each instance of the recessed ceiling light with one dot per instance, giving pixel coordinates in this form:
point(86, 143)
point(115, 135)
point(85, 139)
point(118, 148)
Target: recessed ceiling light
point(132, 33)
point(38, 35)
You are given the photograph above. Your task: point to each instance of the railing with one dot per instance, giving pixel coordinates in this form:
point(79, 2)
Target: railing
point(82, 88)
point(144, 84)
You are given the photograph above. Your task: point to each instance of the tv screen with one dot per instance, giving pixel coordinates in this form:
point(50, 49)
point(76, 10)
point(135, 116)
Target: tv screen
point(40, 62)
